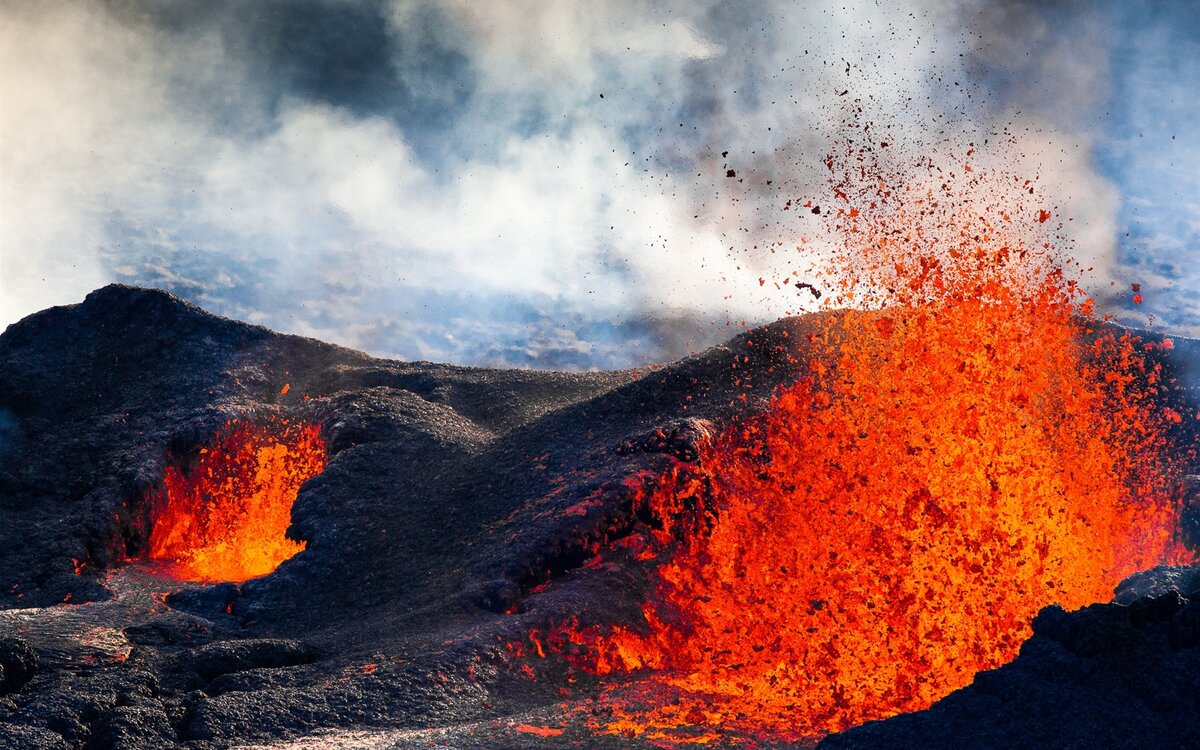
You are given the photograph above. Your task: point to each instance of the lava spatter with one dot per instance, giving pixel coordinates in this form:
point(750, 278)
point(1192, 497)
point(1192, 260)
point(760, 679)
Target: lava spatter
point(969, 445)
point(225, 518)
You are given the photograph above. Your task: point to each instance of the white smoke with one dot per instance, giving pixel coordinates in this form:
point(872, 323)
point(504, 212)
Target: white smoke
point(520, 182)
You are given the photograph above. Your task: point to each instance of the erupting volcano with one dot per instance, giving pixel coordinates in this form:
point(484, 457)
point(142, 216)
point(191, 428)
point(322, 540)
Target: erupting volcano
point(225, 517)
point(969, 446)
point(866, 512)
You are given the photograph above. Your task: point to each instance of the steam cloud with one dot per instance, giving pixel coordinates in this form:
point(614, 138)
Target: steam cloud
point(547, 183)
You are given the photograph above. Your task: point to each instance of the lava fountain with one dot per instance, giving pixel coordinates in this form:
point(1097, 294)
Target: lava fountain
point(968, 445)
point(225, 517)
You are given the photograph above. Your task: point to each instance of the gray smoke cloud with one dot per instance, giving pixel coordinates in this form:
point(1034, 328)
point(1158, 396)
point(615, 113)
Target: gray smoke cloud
point(521, 183)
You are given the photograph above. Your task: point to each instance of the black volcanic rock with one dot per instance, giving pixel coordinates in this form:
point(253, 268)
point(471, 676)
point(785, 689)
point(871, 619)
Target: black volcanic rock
point(18, 664)
point(220, 658)
point(450, 494)
point(1109, 675)
point(28, 737)
point(134, 728)
point(451, 498)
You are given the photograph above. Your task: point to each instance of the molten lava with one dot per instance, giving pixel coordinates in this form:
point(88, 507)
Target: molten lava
point(968, 446)
point(226, 517)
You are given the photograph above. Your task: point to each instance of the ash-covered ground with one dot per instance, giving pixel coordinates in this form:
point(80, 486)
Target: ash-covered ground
point(460, 510)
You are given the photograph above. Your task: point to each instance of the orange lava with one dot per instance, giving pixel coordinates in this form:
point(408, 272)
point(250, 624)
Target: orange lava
point(225, 518)
point(969, 445)
point(538, 730)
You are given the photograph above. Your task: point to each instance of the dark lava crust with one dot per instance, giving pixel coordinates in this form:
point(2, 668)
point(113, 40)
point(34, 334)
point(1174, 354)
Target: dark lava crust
point(451, 495)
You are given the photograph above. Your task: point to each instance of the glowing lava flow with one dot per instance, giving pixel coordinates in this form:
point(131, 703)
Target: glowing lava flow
point(226, 517)
point(968, 447)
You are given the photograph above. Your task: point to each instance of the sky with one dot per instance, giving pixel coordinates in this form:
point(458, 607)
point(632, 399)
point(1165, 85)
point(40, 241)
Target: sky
point(550, 184)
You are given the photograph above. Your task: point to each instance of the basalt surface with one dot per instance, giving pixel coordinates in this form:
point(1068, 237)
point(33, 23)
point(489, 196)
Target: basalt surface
point(460, 510)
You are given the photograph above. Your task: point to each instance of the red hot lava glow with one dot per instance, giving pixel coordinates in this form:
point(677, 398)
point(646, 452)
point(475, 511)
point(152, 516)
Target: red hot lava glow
point(226, 517)
point(968, 446)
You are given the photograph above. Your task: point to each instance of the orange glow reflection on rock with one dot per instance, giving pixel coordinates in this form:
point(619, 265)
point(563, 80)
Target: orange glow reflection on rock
point(967, 448)
point(225, 518)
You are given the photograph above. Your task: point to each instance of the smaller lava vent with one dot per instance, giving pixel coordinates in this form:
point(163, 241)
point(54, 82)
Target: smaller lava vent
point(225, 517)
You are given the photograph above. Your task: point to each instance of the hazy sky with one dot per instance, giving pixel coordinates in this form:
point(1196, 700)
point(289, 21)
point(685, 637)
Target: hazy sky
point(542, 183)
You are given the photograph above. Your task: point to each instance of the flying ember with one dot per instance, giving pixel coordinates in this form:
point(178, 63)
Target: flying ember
point(225, 517)
point(968, 445)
